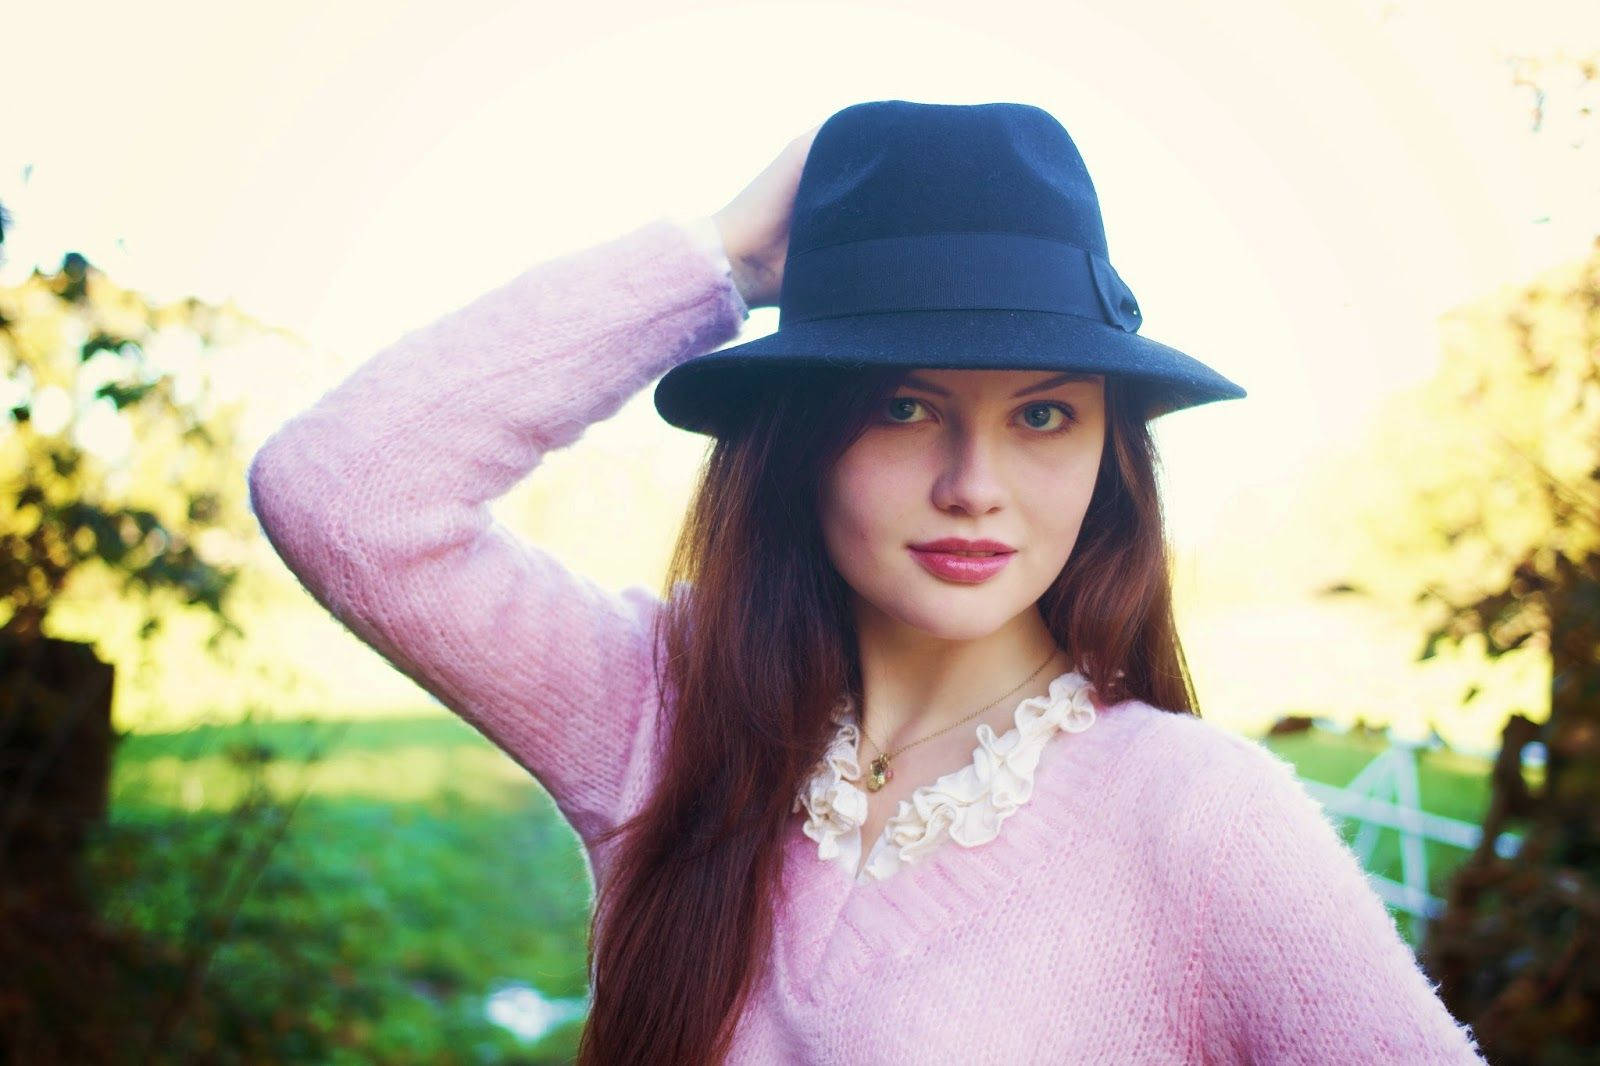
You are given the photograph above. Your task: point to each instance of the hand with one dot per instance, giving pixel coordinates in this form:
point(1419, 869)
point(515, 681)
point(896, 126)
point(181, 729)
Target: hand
point(755, 224)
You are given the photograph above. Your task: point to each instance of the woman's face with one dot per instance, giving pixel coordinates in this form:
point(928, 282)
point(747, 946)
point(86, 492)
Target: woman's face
point(1004, 455)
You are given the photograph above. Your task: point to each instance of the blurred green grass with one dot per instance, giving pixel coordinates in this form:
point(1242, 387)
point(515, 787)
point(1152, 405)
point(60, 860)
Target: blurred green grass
point(423, 866)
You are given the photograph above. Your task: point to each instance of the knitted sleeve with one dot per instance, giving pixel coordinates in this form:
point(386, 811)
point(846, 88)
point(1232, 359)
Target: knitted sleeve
point(377, 499)
point(1300, 960)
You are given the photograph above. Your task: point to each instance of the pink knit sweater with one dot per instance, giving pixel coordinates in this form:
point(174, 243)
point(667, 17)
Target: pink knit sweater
point(1168, 894)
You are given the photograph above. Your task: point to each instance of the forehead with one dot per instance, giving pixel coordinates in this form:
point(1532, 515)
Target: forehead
point(1007, 382)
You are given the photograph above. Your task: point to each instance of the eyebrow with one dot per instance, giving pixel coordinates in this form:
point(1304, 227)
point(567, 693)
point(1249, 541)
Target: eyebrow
point(913, 382)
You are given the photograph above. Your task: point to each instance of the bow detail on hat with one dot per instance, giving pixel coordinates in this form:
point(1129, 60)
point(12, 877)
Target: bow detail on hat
point(1116, 298)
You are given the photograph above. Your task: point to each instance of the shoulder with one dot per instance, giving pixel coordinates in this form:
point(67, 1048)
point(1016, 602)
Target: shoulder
point(1180, 781)
point(1227, 812)
point(1184, 751)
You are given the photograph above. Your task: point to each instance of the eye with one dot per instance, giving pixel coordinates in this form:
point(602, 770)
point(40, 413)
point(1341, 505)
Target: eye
point(899, 404)
point(1068, 416)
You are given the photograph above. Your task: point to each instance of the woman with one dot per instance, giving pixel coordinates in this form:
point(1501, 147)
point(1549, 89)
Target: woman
point(799, 853)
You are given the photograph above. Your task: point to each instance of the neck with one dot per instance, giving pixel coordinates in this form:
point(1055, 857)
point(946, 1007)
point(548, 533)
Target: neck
point(915, 684)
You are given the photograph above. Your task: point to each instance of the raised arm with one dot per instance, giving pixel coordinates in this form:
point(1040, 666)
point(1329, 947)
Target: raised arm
point(377, 499)
point(1300, 961)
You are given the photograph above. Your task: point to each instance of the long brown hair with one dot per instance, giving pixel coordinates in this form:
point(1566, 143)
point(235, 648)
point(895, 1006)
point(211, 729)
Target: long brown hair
point(756, 658)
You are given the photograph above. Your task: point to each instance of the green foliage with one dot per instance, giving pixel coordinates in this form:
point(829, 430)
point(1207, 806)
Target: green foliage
point(1471, 486)
point(119, 463)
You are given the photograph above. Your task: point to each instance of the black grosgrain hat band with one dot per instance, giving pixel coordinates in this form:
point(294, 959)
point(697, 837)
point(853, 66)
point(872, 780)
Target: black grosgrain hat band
point(956, 271)
point(943, 235)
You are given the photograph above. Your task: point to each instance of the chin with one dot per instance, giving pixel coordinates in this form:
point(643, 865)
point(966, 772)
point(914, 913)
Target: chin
point(952, 619)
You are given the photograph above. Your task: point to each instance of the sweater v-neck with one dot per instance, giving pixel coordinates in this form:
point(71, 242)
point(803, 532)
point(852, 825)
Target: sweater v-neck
point(840, 924)
point(963, 807)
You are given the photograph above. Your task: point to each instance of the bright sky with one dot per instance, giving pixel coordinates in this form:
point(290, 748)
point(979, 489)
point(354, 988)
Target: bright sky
point(1293, 190)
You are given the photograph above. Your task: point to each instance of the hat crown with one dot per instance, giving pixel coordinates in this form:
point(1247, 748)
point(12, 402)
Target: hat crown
point(896, 168)
point(944, 235)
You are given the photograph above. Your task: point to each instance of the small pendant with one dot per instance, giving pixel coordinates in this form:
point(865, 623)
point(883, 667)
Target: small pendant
point(880, 773)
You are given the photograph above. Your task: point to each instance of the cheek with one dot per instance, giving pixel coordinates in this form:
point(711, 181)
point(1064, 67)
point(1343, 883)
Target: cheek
point(1049, 490)
point(1059, 524)
point(862, 502)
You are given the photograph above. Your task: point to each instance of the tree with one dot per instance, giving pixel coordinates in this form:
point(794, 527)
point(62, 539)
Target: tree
point(1507, 555)
point(118, 478)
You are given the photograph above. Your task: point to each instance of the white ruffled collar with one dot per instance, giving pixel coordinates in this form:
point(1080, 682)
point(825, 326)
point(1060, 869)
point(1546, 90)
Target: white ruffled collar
point(966, 805)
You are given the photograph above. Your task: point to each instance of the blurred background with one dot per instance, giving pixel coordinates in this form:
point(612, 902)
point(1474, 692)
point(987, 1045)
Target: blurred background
point(230, 832)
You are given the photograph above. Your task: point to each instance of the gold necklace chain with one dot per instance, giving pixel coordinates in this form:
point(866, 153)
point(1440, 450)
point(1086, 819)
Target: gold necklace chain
point(879, 772)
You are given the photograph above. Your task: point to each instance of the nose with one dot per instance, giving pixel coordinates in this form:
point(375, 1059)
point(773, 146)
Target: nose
point(969, 481)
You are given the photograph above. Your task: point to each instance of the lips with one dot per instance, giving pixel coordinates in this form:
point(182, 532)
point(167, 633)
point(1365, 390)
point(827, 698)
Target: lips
point(961, 563)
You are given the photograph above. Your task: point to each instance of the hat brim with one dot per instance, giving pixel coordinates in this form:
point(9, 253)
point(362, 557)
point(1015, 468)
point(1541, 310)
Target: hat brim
point(693, 394)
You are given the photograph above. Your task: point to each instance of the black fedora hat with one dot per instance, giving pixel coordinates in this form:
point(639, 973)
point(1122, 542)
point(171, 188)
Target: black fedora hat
point(945, 236)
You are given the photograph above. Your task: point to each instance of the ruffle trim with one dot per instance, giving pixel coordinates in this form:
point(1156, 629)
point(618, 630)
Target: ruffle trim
point(966, 805)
